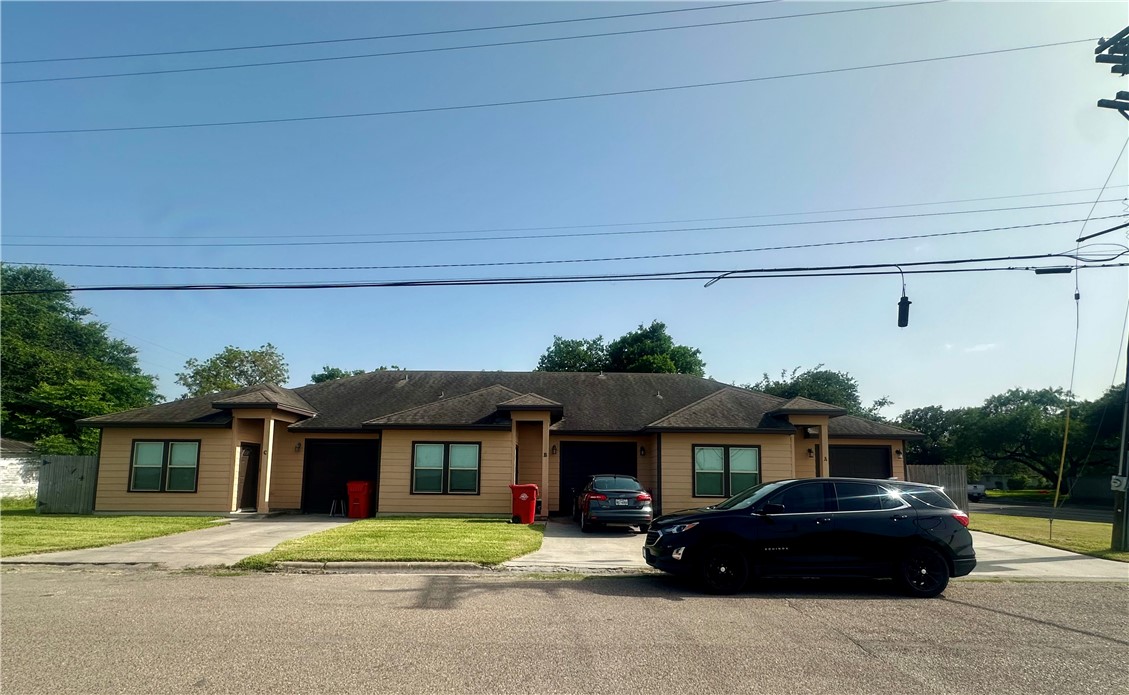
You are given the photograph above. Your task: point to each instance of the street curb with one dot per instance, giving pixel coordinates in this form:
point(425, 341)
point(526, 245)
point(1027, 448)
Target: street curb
point(376, 567)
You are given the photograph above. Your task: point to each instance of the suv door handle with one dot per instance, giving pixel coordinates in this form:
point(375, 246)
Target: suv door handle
point(899, 517)
point(824, 520)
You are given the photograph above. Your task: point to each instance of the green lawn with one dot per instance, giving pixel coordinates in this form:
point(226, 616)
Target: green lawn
point(1086, 537)
point(389, 539)
point(1024, 496)
point(22, 531)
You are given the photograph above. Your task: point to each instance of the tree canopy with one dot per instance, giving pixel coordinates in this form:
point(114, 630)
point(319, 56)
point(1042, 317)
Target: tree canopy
point(232, 368)
point(59, 366)
point(329, 373)
point(1020, 431)
point(646, 349)
point(824, 385)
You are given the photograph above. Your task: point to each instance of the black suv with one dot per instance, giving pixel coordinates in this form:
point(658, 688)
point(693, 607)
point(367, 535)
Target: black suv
point(818, 527)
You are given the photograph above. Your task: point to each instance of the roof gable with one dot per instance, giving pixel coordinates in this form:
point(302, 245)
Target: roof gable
point(530, 401)
point(728, 409)
point(478, 408)
point(806, 406)
point(266, 396)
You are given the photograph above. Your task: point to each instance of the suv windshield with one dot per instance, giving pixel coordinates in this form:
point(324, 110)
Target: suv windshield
point(751, 496)
point(609, 484)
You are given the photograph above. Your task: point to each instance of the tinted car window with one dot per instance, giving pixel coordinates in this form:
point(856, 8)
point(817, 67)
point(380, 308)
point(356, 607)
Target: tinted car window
point(931, 497)
point(606, 484)
point(859, 497)
point(801, 499)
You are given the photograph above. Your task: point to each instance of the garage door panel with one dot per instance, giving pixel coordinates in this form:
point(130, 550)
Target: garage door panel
point(860, 461)
point(330, 464)
point(579, 460)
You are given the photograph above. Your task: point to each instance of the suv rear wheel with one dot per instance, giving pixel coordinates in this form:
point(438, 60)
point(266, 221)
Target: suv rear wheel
point(923, 572)
point(723, 569)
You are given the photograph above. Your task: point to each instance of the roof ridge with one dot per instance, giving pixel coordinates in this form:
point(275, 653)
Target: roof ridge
point(442, 400)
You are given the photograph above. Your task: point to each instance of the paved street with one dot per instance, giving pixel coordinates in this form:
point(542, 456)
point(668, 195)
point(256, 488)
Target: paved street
point(1043, 511)
point(146, 631)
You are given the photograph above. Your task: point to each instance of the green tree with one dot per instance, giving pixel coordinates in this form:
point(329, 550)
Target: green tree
point(646, 349)
point(328, 373)
point(824, 385)
point(576, 355)
point(58, 366)
point(232, 368)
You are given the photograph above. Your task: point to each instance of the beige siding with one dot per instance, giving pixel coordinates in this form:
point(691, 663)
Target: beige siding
point(645, 465)
point(678, 468)
point(898, 463)
point(214, 481)
point(529, 457)
point(811, 466)
point(495, 473)
point(248, 431)
point(287, 471)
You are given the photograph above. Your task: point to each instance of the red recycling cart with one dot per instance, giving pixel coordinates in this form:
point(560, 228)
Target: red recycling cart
point(524, 506)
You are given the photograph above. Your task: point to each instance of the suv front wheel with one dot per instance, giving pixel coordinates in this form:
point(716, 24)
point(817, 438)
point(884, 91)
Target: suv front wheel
point(723, 569)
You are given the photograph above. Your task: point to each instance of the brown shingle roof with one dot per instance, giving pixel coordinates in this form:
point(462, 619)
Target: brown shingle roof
point(806, 406)
point(852, 426)
point(593, 403)
point(14, 448)
point(529, 401)
point(728, 409)
point(266, 395)
point(476, 408)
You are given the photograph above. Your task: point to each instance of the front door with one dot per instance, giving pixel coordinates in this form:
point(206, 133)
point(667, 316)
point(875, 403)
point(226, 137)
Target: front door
point(249, 461)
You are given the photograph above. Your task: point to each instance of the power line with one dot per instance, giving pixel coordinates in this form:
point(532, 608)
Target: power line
point(709, 275)
point(444, 49)
point(542, 100)
point(1120, 154)
point(549, 261)
point(448, 49)
point(383, 36)
point(614, 224)
point(631, 232)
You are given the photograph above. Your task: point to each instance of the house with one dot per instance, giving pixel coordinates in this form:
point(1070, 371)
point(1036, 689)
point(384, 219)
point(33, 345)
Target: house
point(451, 442)
point(19, 468)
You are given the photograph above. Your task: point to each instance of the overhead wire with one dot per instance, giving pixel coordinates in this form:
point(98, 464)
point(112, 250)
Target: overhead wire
point(656, 256)
point(633, 232)
point(711, 275)
point(379, 37)
point(444, 49)
point(541, 100)
point(626, 224)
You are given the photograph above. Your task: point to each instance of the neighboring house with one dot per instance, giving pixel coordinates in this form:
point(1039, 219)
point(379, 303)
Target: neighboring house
point(19, 469)
point(452, 442)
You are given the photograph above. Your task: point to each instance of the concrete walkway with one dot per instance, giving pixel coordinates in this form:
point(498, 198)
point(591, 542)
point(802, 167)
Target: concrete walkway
point(1006, 558)
point(223, 545)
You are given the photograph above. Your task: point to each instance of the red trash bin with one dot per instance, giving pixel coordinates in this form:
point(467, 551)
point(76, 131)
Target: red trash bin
point(524, 506)
point(360, 499)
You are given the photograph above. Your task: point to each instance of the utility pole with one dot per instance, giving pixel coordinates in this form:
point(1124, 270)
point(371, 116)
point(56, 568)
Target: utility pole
point(1115, 52)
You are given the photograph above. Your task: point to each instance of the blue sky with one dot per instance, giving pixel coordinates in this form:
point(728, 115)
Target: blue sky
point(1010, 124)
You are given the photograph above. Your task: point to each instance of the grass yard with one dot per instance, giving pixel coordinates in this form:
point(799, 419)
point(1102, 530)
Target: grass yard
point(407, 539)
point(22, 531)
point(1086, 537)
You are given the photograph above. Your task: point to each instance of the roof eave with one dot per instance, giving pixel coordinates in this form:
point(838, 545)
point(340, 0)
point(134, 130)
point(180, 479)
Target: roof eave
point(150, 425)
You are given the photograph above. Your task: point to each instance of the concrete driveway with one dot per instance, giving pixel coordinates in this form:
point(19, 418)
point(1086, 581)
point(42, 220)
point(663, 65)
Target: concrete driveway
point(223, 545)
point(566, 549)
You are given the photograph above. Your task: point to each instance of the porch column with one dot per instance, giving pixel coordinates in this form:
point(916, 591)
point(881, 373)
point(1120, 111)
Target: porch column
point(268, 457)
point(237, 455)
point(545, 467)
point(825, 455)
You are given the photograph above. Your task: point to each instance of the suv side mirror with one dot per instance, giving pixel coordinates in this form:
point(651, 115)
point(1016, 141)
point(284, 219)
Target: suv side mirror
point(772, 508)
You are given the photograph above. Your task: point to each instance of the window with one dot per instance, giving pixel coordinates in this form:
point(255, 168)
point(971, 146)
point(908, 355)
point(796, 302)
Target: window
point(802, 499)
point(441, 468)
point(860, 497)
point(164, 466)
point(724, 471)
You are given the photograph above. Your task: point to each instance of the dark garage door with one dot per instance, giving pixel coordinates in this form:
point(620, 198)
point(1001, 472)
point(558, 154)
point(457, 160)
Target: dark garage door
point(861, 461)
point(582, 459)
point(330, 463)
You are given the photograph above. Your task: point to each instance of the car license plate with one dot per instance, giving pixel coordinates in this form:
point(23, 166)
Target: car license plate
point(621, 503)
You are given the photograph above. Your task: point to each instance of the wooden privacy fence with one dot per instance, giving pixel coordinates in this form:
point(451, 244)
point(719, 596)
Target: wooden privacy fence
point(953, 478)
point(66, 485)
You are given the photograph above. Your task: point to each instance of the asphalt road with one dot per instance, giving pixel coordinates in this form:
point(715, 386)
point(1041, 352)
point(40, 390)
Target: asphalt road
point(1043, 511)
point(103, 631)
